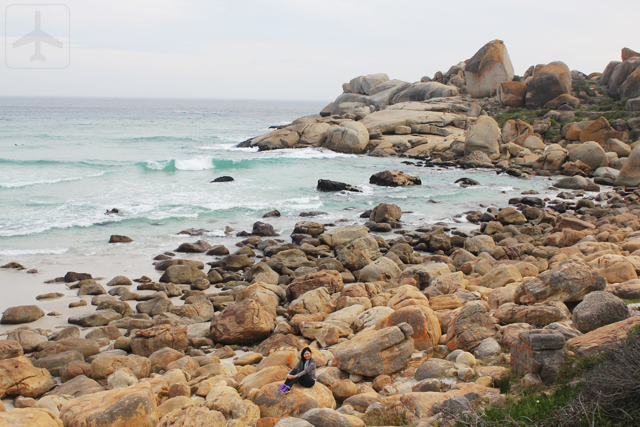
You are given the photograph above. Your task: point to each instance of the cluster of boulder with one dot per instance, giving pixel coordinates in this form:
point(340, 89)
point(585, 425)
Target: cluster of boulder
point(419, 324)
point(447, 118)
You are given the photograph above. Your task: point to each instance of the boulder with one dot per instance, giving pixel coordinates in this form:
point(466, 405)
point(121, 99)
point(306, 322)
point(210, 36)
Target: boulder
point(598, 309)
point(383, 269)
point(328, 186)
point(572, 183)
point(273, 403)
point(10, 349)
point(54, 362)
point(104, 365)
point(349, 137)
point(501, 276)
point(343, 235)
point(95, 318)
point(388, 351)
point(33, 417)
point(312, 302)
point(469, 326)
point(484, 136)
point(329, 279)
point(132, 406)
point(28, 340)
point(386, 213)
point(423, 91)
point(393, 179)
point(198, 247)
point(600, 340)
point(630, 172)
point(512, 94)
point(76, 387)
point(570, 281)
point(325, 417)
point(425, 325)
point(182, 274)
point(18, 377)
point(540, 314)
point(365, 84)
point(489, 67)
point(548, 82)
point(359, 253)
point(21, 314)
point(278, 139)
point(599, 131)
point(589, 153)
point(193, 416)
point(146, 341)
point(538, 352)
point(241, 323)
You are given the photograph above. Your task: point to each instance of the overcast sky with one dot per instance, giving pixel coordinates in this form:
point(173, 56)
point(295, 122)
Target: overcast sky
point(300, 49)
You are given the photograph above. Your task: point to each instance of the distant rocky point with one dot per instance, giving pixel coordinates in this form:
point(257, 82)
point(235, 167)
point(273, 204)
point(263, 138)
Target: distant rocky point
point(552, 120)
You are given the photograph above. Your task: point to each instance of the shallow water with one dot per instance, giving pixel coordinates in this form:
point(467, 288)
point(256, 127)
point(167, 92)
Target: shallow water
point(64, 162)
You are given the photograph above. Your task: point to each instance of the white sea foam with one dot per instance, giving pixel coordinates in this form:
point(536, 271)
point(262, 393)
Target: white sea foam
point(229, 147)
point(197, 164)
point(19, 252)
point(45, 182)
point(157, 165)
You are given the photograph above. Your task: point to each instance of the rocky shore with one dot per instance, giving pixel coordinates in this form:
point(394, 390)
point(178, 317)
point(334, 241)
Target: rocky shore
point(411, 325)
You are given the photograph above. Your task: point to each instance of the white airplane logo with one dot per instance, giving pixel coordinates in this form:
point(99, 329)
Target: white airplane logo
point(38, 37)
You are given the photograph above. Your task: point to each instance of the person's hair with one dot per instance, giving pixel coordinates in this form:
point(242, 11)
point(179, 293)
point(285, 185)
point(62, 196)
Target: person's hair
point(304, 350)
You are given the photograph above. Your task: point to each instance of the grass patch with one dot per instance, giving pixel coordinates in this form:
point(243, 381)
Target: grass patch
point(532, 409)
point(523, 114)
point(632, 301)
point(551, 133)
point(387, 418)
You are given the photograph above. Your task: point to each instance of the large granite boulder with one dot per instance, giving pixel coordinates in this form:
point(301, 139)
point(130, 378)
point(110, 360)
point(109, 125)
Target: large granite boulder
point(598, 309)
point(484, 135)
point(630, 173)
point(601, 340)
point(329, 279)
point(388, 351)
point(95, 318)
point(540, 314)
point(538, 352)
point(147, 341)
point(132, 406)
point(423, 91)
point(326, 417)
point(54, 362)
point(241, 323)
point(21, 314)
point(365, 84)
point(343, 235)
point(511, 94)
point(273, 403)
point(393, 179)
point(359, 253)
point(570, 281)
point(423, 321)
point(193, 416)
point(386, 213)
point(383, 269)
point(349, 137)
point(18, 377)
point(104, 365)
point(10, 349)
point(589, 153)
point(182, 274)
point(32, 417)
point(489, 67)
point(469, 326)
point(548, 82)
point(312, 302)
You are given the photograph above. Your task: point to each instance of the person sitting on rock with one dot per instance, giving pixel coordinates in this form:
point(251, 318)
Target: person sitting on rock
point(304, 372)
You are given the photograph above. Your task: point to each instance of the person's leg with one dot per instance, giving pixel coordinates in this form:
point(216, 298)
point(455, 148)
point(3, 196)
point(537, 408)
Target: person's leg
point(289, 383)
point(306, 381)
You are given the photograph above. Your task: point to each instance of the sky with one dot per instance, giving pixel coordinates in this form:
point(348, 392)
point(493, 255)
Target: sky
point(293, 49)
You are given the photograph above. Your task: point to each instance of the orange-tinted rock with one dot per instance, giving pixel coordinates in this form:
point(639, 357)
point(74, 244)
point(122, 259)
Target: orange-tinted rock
point(426, 328)
point(512, 94)
point(241, 323)
point(489, 67)
point(602, 339)
point(548, 82)
point(469, 326)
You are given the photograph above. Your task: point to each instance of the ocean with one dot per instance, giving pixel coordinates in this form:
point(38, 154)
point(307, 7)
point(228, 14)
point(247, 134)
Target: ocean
point(65, 161)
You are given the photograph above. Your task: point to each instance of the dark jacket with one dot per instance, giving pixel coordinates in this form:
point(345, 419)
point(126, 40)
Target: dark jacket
point(305, 367)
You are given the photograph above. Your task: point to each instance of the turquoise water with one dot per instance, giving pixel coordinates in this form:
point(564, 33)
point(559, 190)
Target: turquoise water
point(64, 162)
